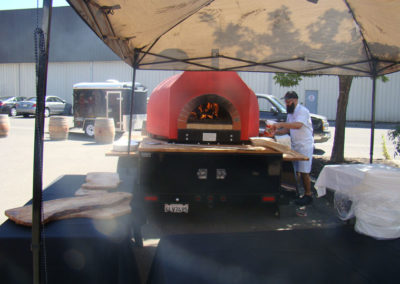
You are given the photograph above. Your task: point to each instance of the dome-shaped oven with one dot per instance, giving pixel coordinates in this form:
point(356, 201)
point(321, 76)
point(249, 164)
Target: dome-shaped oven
point(209, 106)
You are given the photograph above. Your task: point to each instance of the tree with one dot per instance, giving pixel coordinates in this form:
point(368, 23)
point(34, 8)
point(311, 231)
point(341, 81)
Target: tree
point(394, 135)
point(337, 155)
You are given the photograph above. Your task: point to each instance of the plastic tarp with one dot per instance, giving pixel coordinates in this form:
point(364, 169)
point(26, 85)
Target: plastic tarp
point(371, 193)
point(340, 37)
point(376, 203)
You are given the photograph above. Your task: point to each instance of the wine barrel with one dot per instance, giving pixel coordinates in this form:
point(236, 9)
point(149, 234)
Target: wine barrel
point(58, 128)
point(104, 130)
point(4, 125)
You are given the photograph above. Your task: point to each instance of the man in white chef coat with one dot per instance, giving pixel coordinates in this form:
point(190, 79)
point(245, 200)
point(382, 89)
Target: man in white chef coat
point(298, 124)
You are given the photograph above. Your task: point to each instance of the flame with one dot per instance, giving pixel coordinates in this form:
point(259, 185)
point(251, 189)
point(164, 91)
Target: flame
point(206, 111)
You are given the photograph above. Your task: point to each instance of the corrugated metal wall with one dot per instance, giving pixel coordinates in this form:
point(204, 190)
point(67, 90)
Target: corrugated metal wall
point(9, 83)
point(27, 81)
point(327, 87)
point(19, 80)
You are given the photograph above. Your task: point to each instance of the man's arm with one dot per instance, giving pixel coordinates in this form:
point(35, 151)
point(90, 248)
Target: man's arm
point(288, 125)
point(281, 128)
point(280, 131)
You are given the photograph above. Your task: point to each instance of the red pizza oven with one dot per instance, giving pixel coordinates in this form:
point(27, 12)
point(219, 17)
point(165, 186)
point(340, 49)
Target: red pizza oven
point(203, 107)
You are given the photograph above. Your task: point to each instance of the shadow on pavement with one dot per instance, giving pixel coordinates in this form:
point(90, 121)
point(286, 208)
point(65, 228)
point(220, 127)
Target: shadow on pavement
point(77, 136)
point(318, 151)
point(230, 219)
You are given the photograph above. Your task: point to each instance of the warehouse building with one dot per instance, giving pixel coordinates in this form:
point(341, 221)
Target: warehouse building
point(77, 55)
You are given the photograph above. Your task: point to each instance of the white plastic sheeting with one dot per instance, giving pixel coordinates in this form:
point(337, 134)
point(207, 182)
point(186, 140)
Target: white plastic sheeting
point(376, 204)
point(371, 193)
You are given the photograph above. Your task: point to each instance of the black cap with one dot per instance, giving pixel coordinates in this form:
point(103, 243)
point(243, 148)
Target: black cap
point(290, 95)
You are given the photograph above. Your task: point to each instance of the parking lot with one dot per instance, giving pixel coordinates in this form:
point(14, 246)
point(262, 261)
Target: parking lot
point(77, 155)
point(80, 155)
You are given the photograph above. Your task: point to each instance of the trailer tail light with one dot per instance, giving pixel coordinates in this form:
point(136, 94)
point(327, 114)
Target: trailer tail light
point(151, 198)
point(268, 199)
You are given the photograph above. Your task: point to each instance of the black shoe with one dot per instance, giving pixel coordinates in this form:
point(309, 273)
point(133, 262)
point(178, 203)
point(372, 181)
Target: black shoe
point(305, 200)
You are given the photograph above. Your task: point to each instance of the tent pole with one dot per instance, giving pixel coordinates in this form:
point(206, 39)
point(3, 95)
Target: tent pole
point(371, 151)
point(135, 63)
point(41, 83)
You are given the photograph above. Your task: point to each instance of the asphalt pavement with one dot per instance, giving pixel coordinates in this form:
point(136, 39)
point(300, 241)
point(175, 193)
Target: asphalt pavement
point(80, 155)
point(77, 155)
point(357, 142)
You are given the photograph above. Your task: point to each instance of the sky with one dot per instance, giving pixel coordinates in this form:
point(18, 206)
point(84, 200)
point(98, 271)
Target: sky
point(27, 4)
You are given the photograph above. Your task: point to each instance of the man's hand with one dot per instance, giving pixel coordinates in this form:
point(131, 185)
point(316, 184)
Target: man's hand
point(280, 128)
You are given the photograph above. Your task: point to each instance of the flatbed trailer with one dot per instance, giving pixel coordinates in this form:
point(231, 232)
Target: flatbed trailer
point(178, 177)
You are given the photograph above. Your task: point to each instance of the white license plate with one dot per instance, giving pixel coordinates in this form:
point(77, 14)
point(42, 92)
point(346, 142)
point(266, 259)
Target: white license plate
point(176, 208)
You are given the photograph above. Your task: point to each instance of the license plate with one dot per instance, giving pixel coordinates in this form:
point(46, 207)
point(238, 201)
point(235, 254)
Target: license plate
point(176, 208)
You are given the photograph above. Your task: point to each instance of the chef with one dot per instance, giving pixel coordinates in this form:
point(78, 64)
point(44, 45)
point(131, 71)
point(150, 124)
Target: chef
point(298, 124)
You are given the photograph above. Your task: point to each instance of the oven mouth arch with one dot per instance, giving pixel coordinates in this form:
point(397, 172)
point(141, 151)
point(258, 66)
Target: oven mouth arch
point(227, 113)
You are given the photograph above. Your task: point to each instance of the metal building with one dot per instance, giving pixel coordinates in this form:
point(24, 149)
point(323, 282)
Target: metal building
point(77, 55)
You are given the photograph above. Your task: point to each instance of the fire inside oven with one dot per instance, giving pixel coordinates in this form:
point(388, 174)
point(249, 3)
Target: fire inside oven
point(209, 121)
point(209, 112)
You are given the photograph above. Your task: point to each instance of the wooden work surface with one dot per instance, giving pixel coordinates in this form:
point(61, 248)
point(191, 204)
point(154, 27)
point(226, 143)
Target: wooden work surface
point(288, 154)
point(258, 146)
point(112, 153)
point(153, 145)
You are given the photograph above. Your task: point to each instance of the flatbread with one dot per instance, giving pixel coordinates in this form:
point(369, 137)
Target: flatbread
point(101, 180)
point(85, 191)
point(94, 206)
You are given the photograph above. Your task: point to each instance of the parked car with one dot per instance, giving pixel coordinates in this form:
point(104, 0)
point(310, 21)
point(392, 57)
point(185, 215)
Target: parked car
point(272, 109)
point(7, 105)
point(54, 105)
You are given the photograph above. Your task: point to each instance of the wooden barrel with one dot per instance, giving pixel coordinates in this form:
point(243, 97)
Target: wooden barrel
point(58, 128)
point(104, 130)
point(4, 125)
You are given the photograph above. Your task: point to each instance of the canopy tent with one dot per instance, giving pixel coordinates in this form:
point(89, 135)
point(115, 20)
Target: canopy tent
point(336, 37)
point(339, 37)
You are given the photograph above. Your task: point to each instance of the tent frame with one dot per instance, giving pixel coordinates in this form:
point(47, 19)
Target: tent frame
point(135, 61)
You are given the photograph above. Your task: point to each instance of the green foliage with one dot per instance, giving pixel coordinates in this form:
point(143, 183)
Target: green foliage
point(383, 78)
point(293, 79)
point(394, 136)
point(287, 79)
point(385, 149)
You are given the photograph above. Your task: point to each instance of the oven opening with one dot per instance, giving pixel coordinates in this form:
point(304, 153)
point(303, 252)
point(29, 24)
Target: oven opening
point(210, 112)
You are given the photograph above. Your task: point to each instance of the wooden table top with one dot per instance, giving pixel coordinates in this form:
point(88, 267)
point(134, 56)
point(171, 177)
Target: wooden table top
point(258, 146)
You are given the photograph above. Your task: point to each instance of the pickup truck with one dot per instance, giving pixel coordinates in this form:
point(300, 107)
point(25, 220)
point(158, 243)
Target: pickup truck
point(272, 109)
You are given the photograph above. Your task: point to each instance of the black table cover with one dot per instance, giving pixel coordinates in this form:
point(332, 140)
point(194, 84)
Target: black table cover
point(80, 250)
point(335, 255)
